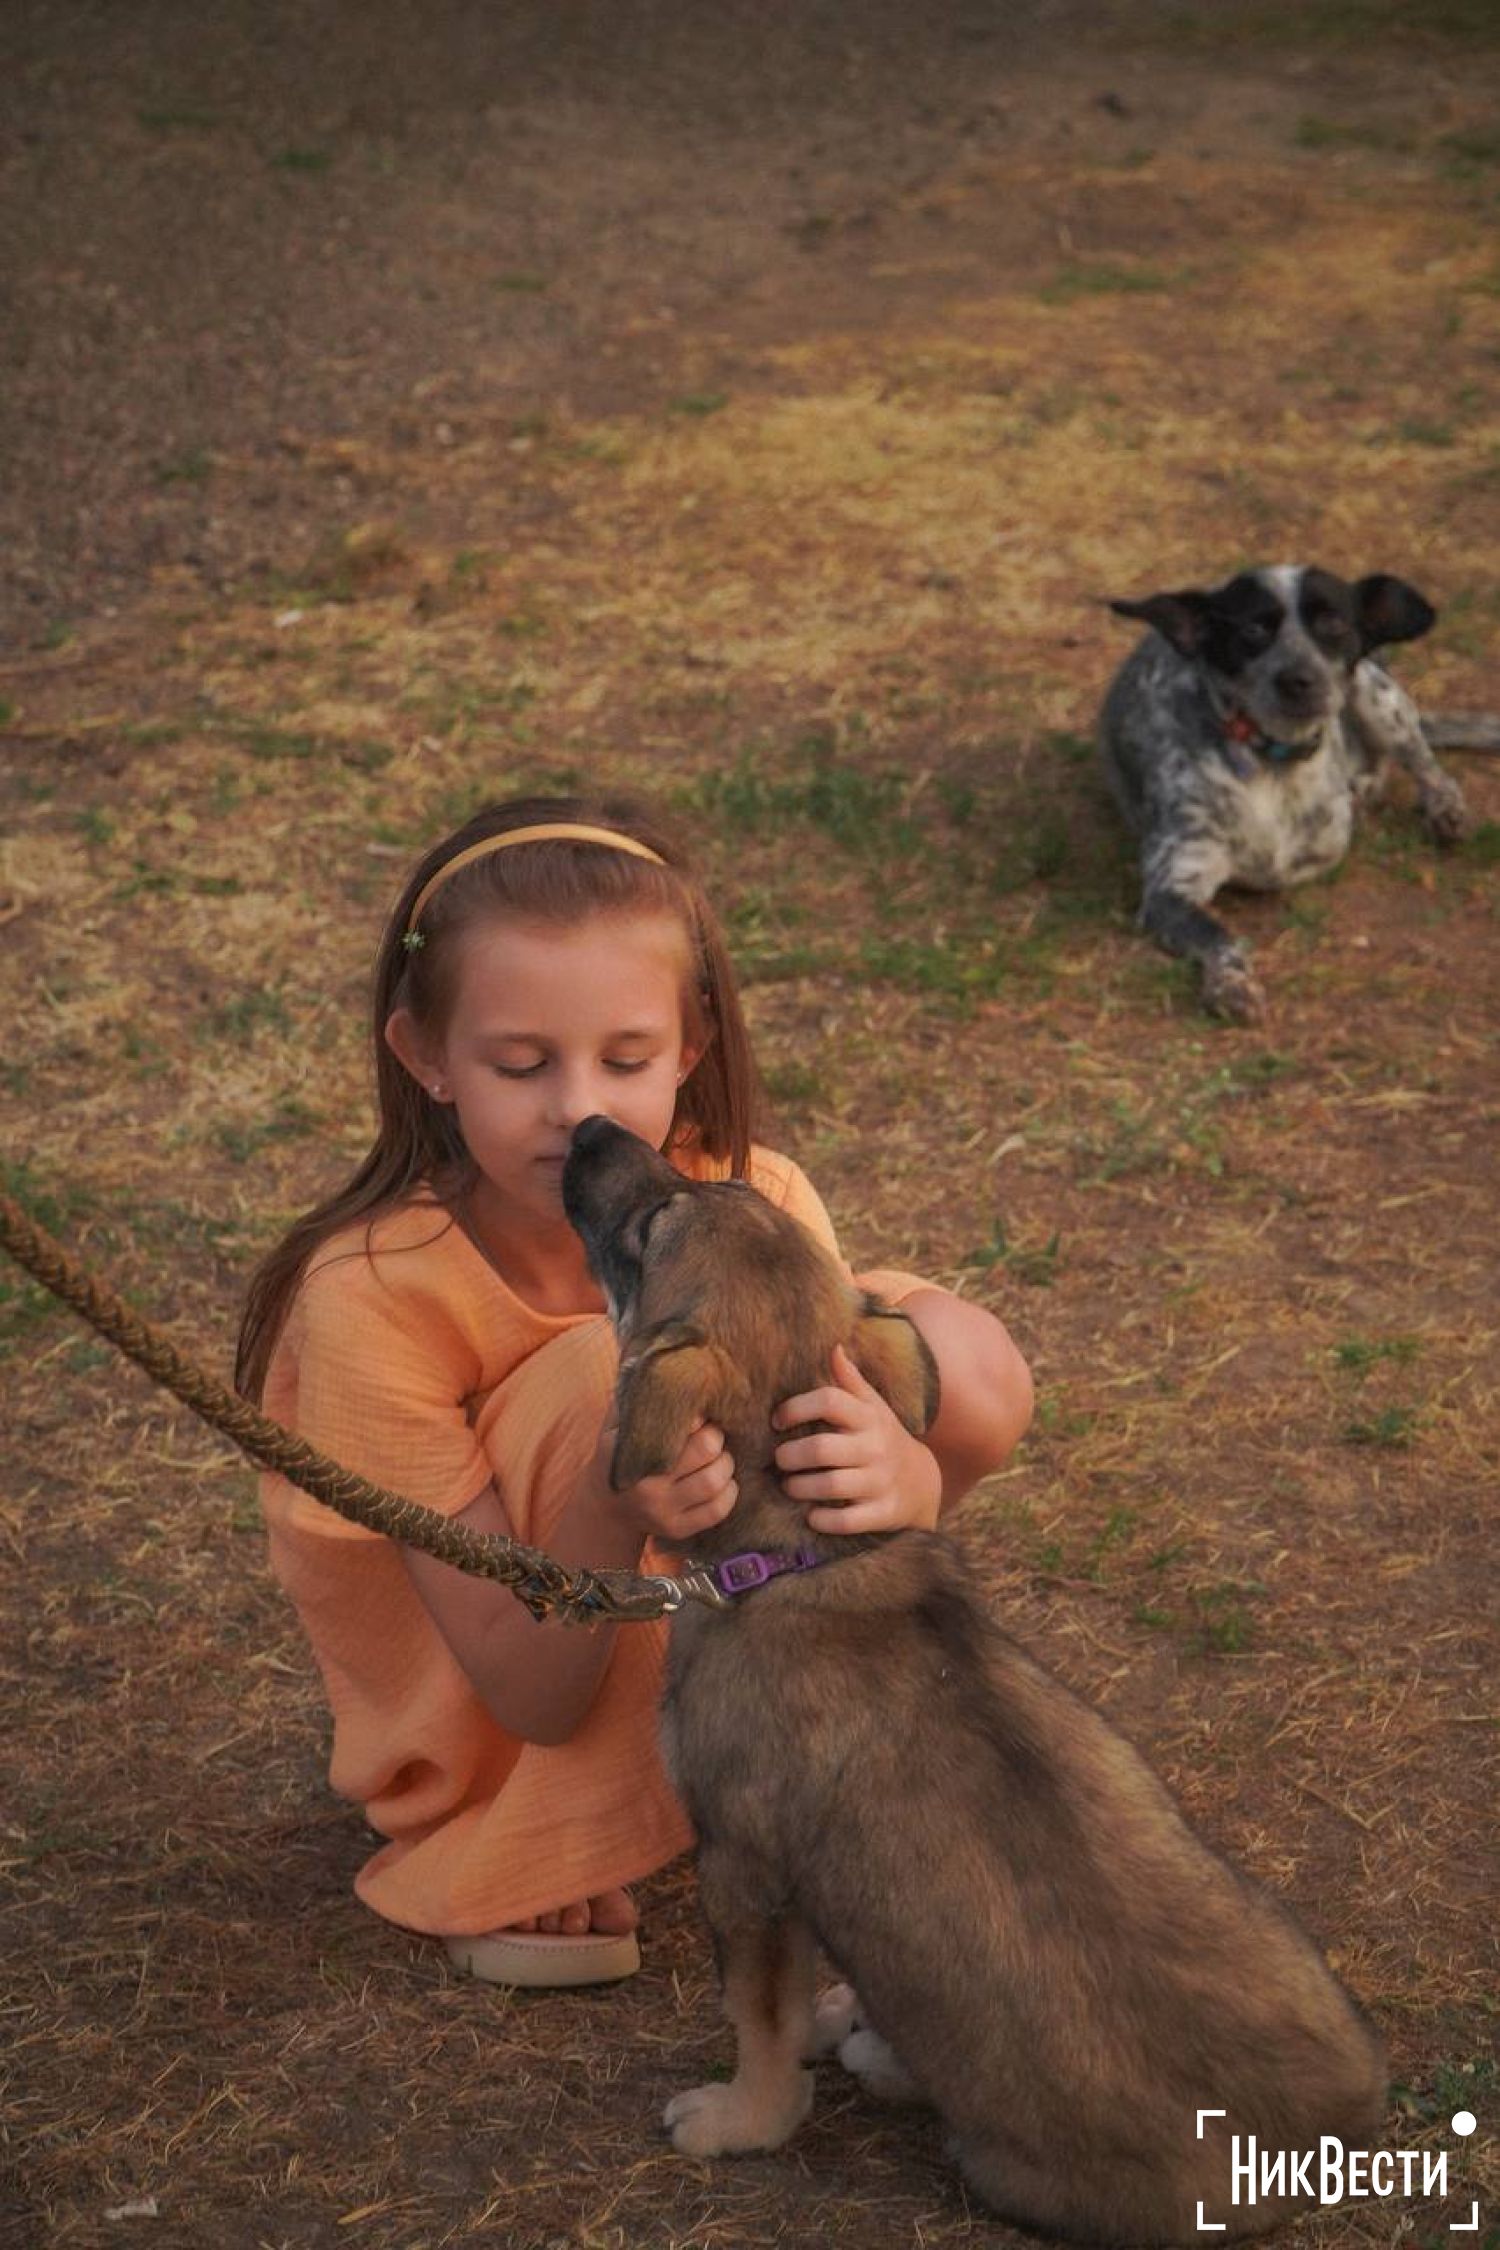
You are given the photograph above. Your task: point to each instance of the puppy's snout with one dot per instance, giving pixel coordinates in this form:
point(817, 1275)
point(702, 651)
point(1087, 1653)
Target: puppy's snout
point(1299, 686)
point(583, 1179)
point(594, 1132)
point(610, 1172)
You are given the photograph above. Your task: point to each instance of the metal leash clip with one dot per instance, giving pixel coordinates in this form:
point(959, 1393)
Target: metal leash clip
point(696, 1584)
point(718, 1584)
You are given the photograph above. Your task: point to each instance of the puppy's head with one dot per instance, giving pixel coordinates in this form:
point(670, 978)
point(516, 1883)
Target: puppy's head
point(724, 1306)
point(1280, 645)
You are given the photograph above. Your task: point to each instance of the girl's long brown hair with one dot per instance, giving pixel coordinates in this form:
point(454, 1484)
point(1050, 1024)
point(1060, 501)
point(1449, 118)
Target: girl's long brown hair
point(418, 1143)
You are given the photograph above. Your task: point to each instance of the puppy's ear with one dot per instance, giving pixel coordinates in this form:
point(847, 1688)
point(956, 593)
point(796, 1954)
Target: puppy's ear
point(1387, 609)
point(1181, 618)
point(673, 1381)
point(893, 1355)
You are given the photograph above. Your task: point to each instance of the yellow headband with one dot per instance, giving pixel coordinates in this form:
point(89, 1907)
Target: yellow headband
point(559, 831)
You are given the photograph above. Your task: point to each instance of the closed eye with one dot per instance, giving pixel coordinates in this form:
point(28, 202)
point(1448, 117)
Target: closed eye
point(622, 1067)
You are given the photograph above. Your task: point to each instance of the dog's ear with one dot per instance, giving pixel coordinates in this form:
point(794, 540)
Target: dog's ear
point(1387, 609)
point(893, 1355)
point(1181, 618)
point(675, 1379)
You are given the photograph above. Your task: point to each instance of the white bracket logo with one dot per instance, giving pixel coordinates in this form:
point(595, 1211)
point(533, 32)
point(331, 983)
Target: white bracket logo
point(1210, 2226)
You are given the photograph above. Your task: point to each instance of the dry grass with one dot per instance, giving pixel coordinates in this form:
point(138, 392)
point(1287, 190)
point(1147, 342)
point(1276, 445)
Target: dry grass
point(848, 619)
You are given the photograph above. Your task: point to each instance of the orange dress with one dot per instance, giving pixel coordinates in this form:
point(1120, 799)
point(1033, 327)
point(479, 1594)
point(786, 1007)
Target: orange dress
point(406, 1357)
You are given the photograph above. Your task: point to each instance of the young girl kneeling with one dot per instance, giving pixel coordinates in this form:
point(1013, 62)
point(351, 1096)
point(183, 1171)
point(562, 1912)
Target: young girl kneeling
point(434, 1326)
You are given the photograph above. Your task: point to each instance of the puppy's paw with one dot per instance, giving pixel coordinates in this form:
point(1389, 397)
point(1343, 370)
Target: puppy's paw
point(834, 2017)
point(865, 2055)
point(1232, 989)
point(724, 2121)
point(1446, 814)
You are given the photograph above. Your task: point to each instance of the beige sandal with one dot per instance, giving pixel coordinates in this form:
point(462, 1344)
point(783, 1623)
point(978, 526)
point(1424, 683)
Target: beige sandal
point(544, 1961)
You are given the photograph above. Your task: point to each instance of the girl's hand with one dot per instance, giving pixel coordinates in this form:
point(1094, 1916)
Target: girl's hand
point(868, 1472)
point(697, 1492)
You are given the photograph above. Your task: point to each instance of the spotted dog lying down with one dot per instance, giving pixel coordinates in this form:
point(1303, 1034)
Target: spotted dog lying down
point(1244, 732)
point(1042, 1949)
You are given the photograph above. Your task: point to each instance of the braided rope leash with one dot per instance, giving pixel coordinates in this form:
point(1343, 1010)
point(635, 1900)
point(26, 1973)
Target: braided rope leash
point(544, 1586)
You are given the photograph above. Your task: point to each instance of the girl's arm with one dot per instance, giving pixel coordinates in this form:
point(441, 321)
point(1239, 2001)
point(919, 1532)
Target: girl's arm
point(986, 1400)
point(538, 1681)
point(865, 1472)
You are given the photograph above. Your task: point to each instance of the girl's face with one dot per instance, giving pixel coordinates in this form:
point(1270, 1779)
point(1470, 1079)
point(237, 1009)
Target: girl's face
point(552, 1023)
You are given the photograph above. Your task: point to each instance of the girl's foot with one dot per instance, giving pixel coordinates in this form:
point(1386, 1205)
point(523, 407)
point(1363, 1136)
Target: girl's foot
point(545, 1954)
point(608, 1914)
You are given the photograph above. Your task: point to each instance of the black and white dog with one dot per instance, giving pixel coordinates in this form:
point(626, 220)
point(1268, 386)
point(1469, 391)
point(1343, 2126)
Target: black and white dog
point(1244, 732)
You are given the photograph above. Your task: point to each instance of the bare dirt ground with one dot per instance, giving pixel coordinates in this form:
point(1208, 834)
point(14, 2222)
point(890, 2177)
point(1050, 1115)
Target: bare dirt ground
point(752, 406)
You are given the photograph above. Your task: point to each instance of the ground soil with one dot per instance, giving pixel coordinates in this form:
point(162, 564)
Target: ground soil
point(753, 407)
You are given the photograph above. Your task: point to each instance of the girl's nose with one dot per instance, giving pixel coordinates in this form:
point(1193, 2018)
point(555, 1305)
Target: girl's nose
point(575, 1096)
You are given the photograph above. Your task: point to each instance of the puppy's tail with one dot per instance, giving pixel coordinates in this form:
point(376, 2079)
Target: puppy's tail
point(1463, 730)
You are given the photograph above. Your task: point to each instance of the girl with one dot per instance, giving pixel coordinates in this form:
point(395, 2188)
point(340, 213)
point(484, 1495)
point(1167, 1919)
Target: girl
point(434, 1326)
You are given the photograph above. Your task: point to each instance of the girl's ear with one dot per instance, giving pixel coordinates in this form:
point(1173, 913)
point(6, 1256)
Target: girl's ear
point(410, 1048)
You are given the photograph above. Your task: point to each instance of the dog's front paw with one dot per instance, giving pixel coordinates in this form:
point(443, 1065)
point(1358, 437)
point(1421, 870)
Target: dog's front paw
point(1232, 989)
point(1446, 814)
point(724, 2121)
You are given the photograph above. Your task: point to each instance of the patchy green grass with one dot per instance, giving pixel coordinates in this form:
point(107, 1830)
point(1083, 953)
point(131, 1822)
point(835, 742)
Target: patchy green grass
point(1420, 430)
point(178, 117)
point(192, 467)
point(1331, 23)
point(696, 404)
point(1356, 1355)
point(1033, 1264)
point(1476, 145)
point(1096, 277)
point(1323, 133)
point(859, 806)
point(1392, 1426)
point(243, 1016)
point(955, 970)
point(1224, 1622)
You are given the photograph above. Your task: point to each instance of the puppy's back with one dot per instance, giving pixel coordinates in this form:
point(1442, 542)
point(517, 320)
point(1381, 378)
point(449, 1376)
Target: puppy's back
point(1066, 1971)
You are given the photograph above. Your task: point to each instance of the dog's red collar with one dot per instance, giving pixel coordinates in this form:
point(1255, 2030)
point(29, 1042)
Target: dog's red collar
point(1241, 729)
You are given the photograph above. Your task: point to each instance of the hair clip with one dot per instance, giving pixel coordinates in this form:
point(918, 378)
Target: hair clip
point(413, 940)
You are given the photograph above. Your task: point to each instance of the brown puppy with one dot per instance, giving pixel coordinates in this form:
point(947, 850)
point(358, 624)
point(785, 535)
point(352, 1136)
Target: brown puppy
point(1063, 1970)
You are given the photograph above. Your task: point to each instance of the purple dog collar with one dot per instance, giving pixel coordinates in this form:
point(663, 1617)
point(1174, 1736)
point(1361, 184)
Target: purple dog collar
point(741, 1574)
point(719, 1585)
